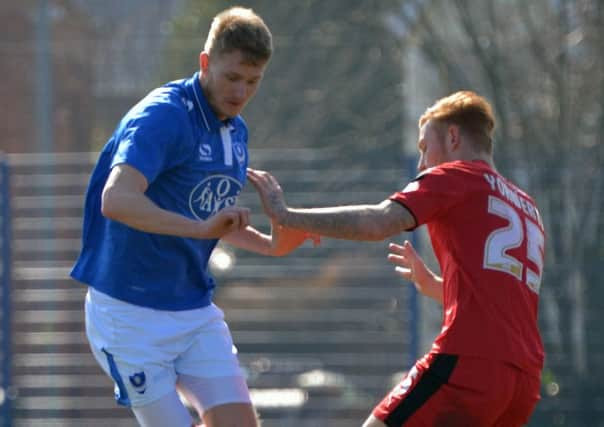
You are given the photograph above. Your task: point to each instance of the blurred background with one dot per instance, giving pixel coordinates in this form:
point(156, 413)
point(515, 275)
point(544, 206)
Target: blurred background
point(324, 333)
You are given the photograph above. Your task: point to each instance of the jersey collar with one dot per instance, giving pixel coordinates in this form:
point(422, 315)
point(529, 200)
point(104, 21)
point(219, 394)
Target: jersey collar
point(208, 116)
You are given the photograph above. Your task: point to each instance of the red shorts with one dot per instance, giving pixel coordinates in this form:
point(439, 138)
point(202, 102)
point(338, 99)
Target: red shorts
point(449, 390)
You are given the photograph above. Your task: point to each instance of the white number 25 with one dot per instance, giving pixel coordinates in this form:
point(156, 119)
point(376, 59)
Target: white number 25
point(500, 241)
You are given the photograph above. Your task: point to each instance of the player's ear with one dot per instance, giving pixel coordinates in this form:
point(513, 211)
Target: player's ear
point(204, 61)
point(453, 137)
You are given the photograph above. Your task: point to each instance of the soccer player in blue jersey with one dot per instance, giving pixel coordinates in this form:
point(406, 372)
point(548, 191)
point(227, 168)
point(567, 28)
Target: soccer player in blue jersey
point(161, 195)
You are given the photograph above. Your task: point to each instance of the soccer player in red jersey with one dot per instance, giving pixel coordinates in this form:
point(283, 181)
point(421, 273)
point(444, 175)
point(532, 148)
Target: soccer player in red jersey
point(484, 367)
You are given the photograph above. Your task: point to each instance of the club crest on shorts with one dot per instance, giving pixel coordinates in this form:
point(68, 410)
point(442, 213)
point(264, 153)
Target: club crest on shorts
point(214, 193)
point(139, 382)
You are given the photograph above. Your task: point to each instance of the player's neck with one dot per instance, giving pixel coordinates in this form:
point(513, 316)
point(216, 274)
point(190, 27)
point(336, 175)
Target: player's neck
point(488, 159)
point(472, 155)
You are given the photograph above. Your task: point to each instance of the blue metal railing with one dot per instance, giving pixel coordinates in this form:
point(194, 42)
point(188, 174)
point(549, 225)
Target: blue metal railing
point(5, 239)
point(414, 310)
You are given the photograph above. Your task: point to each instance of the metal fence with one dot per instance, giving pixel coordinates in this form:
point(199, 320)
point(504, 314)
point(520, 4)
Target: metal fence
point(321, 332)
point(6, 390)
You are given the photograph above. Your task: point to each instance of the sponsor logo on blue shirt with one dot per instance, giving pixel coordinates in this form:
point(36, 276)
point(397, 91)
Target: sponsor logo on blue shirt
point(205, 152)
point(214, 193)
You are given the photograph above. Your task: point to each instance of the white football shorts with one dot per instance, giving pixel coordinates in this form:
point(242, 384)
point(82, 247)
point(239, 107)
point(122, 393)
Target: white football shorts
point(145, 350)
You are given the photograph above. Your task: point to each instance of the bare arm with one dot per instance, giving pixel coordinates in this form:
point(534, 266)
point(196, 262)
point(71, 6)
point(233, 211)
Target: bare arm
point(124, 200)
point(410, 266)
point(354, 222)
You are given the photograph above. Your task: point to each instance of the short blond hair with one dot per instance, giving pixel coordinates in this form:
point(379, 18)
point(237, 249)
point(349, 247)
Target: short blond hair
point(471, 112)
point(239, 28)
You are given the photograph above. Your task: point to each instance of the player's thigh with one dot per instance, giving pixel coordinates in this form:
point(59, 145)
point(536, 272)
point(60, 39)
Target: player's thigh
point(209, 373)
point(231, 414)
point(211, 353)
point(208, 392)
point(167, 411)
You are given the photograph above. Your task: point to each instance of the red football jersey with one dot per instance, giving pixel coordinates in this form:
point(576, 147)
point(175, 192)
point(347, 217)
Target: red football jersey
point(489, 240)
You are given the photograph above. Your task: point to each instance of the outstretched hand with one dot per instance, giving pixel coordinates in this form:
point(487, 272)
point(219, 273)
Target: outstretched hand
point(410, 266)
point(270, 192)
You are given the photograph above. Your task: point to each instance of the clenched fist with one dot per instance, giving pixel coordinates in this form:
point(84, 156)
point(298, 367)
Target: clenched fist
point(224, 222)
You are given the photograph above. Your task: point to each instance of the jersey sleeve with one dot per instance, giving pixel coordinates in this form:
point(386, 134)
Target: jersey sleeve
point(153, 138)
point(431, 194)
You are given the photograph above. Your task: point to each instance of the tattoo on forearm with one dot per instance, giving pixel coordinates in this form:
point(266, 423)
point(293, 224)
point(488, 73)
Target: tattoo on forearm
point(352, 223)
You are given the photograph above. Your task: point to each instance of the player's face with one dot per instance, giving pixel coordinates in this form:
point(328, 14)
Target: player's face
point(229, 82)
point(431, 146)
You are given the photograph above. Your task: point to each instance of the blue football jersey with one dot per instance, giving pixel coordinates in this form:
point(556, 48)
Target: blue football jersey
point(195, 165)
